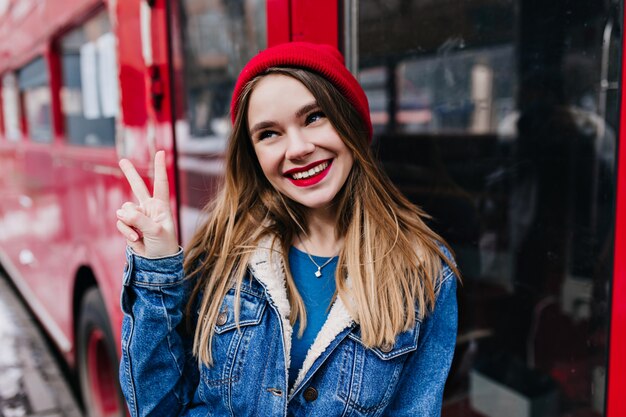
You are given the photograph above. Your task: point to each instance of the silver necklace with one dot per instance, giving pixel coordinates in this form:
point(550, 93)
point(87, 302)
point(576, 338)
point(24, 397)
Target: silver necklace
point(318, 273)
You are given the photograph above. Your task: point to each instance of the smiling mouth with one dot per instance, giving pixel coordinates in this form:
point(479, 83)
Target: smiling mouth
point(311, 172)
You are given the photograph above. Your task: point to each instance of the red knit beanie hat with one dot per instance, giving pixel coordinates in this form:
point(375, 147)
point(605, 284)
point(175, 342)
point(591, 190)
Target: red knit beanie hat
point(324, 60)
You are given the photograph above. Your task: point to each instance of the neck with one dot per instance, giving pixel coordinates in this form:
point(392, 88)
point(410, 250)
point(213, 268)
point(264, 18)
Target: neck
point(321, 239)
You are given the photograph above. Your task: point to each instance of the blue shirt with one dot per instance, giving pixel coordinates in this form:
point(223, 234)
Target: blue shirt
point(317, 294)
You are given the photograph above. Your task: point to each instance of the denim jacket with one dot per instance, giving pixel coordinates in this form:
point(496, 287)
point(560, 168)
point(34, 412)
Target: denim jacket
point(249, 376)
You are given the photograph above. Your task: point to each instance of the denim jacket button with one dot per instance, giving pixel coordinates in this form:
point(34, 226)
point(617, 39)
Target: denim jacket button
point(386, 347)
point(310, 394)
point(222, 318)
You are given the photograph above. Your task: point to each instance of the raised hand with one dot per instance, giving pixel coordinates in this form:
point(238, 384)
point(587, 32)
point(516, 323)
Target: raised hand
point(148, 226)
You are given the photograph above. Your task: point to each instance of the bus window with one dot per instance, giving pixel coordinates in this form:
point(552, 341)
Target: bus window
point(35, 89)
point(89, 93)
point(219, 37)
point(499, 118)
point(216, 38)
point(11, 107)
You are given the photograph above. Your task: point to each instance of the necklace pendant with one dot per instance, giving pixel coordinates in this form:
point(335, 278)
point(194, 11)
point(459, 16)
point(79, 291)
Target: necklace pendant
point(318, 273)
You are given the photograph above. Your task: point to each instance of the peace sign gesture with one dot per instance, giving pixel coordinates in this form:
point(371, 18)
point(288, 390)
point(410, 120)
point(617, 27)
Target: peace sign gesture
point(148, 226)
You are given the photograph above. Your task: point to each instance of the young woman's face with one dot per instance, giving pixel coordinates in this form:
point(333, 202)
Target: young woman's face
point(298, 149)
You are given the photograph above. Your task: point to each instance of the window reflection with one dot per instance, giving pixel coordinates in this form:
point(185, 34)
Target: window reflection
point(215, 40)
point(11, 107)
point(35, 90)
point(89, 91)
point(218, 39)
point(498, 118)
point(455, 91)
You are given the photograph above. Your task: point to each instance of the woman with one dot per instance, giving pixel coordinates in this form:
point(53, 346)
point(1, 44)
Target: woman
point(313, 288)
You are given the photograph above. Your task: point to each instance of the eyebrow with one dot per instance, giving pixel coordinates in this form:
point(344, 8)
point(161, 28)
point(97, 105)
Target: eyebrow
point(307, 108)
point(260, 126)
point(301, 112)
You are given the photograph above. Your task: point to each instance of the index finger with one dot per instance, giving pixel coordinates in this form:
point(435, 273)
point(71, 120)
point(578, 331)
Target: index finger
point(161, 184)
point(136, 182)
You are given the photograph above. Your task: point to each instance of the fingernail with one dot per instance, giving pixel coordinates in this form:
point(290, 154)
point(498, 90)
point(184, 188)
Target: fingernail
point(120, 213)
point(133, 237)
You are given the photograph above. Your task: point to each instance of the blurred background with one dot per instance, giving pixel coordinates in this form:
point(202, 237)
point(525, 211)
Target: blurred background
point(500, 118)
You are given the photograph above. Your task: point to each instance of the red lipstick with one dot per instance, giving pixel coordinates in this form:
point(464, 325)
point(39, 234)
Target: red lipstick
point(313, 179)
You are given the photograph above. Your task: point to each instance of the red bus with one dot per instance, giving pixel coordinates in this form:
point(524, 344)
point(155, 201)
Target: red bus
point(502, 119)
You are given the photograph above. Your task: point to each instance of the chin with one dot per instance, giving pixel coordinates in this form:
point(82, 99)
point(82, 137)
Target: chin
point(318, 203)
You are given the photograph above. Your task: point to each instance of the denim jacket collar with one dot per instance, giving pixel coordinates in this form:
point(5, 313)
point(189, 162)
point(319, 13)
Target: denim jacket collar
point(266, 264)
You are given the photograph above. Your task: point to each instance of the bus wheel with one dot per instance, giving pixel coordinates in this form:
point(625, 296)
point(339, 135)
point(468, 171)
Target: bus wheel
point(97, 360)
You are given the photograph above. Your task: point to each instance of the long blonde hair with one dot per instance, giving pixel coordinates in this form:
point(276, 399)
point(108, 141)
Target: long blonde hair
point(392, 258)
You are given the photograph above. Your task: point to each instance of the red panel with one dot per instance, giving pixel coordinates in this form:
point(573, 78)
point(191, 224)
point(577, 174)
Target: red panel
point(302, 20)
point(160, 104)
point(616, 406)
point(278, 18)
point(23, 122)
point(54, 69)
point(177, 61)
point(133, 81)
point(315, 21)
point(1, 112)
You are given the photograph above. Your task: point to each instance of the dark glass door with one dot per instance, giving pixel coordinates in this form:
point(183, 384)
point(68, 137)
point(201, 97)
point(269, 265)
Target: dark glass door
point(499, 118)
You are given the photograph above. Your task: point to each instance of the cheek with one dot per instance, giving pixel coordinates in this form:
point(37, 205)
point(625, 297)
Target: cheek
point(348, 163)
point(269, 163)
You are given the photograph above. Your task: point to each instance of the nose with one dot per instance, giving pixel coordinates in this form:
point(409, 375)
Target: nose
point(298, 145)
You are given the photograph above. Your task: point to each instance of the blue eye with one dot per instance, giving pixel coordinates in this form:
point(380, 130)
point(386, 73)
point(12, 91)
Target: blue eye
point(314, 117)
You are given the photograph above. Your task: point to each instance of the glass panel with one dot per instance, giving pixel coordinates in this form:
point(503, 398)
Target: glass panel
point(34, 74)
point(35, 89)
point(499, 119)
point(90, 87)
point(216, 38)
point(457, 93)
point(11, 107)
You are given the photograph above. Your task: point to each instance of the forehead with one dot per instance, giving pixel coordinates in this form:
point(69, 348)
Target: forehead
point(276, 95)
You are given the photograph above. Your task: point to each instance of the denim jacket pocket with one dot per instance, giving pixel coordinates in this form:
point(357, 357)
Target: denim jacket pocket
point(250, 313)
point(369, 376)
point(231, 343)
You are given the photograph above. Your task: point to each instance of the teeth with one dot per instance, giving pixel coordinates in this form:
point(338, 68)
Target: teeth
point(310, 172)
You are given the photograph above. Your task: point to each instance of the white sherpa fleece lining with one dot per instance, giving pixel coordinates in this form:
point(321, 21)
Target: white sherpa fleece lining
point(267, 266)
